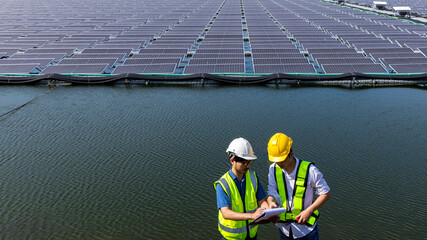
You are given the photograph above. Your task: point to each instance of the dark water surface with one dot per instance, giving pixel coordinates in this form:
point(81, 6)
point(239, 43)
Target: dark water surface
point(139, 162)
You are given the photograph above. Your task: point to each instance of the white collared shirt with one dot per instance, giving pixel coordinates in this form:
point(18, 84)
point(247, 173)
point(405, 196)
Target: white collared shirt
point(315, 181)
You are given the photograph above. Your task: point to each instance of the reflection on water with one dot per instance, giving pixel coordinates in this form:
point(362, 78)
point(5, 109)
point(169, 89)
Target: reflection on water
point(139, 162)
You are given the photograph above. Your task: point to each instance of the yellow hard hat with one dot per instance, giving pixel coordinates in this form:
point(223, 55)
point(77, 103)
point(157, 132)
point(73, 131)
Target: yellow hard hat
point(279, 147)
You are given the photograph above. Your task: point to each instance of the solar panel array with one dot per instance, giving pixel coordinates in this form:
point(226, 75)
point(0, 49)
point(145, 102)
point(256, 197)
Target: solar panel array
point(417, 6)
point(213, 36)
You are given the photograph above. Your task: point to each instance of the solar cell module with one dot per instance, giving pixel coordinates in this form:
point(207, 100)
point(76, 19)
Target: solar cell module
point(280, 61)
point(66, 51)
point(299, 68)
point(118, 56)
point(269, 68)
point(55, 56)
point(217, 61)
point(141, 68)
point(396, 55)
point(8, 51)
point(344, 61)
point(338, 55)
point(346, 68)
point(152, 60)
point(90, 61)
point(215, 68)
point(76, 68)
point(398, 60)
point(108, 50)
point(409, 68)
point(41, 62)
point(17, 68)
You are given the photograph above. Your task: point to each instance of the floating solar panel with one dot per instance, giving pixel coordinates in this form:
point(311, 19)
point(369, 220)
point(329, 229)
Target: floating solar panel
point(324, 45)
point(118, 56)
point(41, 62)
point(409, 68)
point(83, 39)
point(214, 50)
point(9, 51)
point(217, 61)
point(175, 41)
point(278, 55)
point(388, 61)
point(281, 50)
point(152, 61)
point(17, 68)
point(67, 52)
point(331, 50)
point(344, 61)
point(346, 68)
point(374, 45)
point(217, 68)
point(168, 46)
point(218, 55)
point(66, 45)
point(164, 68)
point(90, 61)
point(338, 55)
point(163, 50)
point(118, 45)
point(280, 61)
point(272, 46)
point(55, 56)
point(387, 50)
point(396, 55)
point(269, 68)
point(216, 45)
point(159, 55)
point(25, 41)
point(299, 68)
point(126, 51)
point(76, 68)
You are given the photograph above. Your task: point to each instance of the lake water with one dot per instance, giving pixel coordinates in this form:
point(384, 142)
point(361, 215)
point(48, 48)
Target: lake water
point(138, 162)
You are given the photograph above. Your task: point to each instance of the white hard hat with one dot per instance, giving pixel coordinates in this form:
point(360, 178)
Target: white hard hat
point(241, 148)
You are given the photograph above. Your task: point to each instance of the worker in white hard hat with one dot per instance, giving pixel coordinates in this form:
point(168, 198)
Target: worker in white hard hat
point(292, 184)
point(240, 196)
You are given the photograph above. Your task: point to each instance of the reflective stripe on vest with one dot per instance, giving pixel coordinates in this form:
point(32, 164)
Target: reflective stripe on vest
point(298, 194)
point(231, 229)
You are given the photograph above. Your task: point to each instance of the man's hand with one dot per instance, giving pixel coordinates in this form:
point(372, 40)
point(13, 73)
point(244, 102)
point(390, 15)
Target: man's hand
point(272, 203)
point(258, 212)
point(304, 216)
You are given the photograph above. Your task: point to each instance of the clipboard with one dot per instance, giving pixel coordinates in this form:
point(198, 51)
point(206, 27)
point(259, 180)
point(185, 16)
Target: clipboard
point(268, 213)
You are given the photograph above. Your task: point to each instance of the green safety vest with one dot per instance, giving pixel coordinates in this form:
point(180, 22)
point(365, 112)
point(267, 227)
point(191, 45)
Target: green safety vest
point(231, 229)
point(298, 195)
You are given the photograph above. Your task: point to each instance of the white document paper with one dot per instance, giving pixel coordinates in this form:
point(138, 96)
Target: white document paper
point(268, 213)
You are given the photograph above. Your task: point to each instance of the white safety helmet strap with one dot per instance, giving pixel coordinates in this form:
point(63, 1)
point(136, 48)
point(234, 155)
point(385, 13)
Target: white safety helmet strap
point(241, 148)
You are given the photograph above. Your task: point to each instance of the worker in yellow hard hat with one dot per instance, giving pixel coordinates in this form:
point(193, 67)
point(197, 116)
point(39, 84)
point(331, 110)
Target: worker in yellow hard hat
point(292, 184)
point(240, 196)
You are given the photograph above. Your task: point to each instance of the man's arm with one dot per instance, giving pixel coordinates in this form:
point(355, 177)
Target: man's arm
point(236, 216)
point(305, 215)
